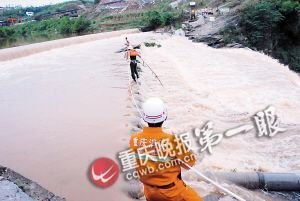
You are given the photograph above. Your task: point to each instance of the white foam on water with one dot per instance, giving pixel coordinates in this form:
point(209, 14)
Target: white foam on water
point(227, 87)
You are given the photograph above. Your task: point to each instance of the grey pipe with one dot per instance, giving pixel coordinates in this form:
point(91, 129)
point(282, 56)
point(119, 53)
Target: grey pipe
point(261, 180)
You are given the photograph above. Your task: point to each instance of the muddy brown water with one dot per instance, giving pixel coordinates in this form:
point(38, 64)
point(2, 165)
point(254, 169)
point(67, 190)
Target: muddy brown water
point(60, 110)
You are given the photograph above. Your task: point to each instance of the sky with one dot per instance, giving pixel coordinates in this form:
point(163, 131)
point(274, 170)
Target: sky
point(25, 3)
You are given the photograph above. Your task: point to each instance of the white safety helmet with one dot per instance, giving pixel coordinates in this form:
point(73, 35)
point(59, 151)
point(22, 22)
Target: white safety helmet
point(154, 111)
point(130, 47)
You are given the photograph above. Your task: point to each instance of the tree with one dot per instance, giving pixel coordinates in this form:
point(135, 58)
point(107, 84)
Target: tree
point(160, 16)
point(65, 26)
point(81, 25)
point(260, 20)
point(274, 27)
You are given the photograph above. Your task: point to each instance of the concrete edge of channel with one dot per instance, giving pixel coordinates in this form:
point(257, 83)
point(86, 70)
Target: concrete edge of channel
point(29, 187)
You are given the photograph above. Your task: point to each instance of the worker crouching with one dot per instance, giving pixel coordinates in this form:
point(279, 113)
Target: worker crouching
point(163, 153)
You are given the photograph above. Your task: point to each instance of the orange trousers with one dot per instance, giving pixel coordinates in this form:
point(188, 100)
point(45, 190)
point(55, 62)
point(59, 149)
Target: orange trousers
point(179, 192)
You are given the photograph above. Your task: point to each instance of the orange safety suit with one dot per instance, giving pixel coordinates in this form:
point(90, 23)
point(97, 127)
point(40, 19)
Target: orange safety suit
point(133, 53)
point(162, 177)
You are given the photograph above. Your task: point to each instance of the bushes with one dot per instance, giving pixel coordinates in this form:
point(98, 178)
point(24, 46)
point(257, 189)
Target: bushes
point(160, 16)
point(64, 26)
point(39, 31)
point(152, 19)
point(260, 20)
point(6, 32)
point(67, 26)
point(272, 26)
point(81, 25)
point(289, 57)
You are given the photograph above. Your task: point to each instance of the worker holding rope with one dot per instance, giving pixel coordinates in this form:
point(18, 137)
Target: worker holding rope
point(132, 54)
point(157, 150)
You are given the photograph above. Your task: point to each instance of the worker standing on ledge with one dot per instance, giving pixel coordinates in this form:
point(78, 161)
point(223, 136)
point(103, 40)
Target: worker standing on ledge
point(127, 42)
point(132, 54)
point(159, 151)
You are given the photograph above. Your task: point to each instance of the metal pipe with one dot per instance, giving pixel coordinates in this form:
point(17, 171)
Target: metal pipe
point(261, 180)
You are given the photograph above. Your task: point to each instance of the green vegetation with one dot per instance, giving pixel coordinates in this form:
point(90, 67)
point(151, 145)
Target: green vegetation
point(111, 22)
point(158, 16)
point(272, 26)
point(44, 26)
point(64, 26)
point(161, 15)
point(43, 10)
point(46, 29)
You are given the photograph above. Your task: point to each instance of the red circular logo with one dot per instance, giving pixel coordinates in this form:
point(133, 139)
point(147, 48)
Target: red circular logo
point(104, 172)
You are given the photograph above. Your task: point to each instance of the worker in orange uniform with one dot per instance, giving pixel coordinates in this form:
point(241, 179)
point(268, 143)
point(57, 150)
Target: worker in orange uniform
point(163, 182)
point(132, 54)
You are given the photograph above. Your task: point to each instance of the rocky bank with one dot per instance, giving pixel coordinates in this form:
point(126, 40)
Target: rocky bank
point(14, 186)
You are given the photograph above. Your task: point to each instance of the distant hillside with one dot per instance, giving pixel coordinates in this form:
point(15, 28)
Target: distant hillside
point(20, 12)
